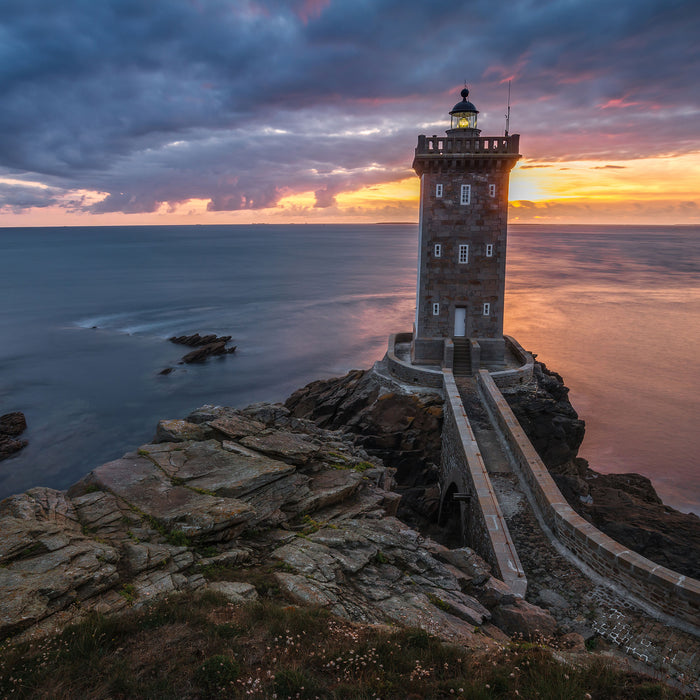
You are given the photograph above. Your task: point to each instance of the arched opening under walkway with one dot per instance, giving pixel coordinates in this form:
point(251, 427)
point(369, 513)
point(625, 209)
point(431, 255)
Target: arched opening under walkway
point(450, 520)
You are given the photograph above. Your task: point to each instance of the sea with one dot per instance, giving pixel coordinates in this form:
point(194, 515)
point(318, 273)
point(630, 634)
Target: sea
point(86, 313)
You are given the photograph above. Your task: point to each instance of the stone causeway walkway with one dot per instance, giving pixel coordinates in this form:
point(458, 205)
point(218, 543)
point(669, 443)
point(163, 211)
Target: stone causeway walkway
point(596, 611)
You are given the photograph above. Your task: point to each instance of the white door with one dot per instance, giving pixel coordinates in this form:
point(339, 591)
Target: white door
point(460, 322)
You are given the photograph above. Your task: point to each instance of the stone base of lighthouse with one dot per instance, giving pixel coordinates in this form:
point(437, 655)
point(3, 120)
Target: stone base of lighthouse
point(461, 355)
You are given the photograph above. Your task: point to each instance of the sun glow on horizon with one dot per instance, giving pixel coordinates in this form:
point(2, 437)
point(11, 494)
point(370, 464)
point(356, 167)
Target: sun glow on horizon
point(650, 190)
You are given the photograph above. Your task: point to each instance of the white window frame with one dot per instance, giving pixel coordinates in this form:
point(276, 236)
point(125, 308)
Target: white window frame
point(438, 190)
point(437, 251)
point(487, 308)
point(492, 190)
point(436, 309)
point(463, 254)
point(489, 250)
point(465, 194)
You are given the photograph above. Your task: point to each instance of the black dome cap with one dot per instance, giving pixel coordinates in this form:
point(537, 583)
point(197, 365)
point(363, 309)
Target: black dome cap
point(464, 105)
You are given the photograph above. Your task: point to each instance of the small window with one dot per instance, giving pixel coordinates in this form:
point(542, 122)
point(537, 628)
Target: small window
point(492, 190)
point(487, 309)
point(463, 254)
point(438, 190)
point(436, 309)
point(466, 194)
point(489, 250)
point(438, 250)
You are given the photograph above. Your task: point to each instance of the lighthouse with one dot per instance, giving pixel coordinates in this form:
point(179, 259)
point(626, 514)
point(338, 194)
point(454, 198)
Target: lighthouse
point(462, 244)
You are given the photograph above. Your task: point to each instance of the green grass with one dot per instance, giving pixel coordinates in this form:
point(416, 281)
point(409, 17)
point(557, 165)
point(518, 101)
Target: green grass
point(198, 646)
point(128, 592)
point(358, 467)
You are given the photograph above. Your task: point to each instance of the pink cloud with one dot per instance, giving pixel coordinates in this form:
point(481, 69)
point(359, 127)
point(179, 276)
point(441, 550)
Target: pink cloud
point(311, 9)
point(618, 102)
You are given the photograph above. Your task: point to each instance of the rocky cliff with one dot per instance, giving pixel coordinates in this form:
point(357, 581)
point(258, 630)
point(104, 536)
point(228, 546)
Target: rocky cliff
point(401, 426)
point(225, 492)
point(404, 430)
point(311, 491)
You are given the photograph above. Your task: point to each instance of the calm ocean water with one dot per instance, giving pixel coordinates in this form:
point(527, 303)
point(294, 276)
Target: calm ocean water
point(86, 313)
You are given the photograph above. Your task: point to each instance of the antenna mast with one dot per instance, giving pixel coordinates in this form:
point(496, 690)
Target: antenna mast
point(508, 112)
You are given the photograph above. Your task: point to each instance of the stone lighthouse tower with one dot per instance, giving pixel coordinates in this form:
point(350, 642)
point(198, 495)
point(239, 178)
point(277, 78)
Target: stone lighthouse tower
point(462, 243)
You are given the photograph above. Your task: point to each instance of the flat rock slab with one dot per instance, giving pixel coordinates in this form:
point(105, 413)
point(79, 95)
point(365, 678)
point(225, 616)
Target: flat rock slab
point(521, 617)
point(180, 431)
point(329, 487)
point(289, 447)
point(236, 427)
point(209, 467)
point(99, 512)
point(235, 591)
point(64, 570)
point(144, 486)
point(41, 504)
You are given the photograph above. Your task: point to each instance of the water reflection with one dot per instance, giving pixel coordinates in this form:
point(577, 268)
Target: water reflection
point(617, 312)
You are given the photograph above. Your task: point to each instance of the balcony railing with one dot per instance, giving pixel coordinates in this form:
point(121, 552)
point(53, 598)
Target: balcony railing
point(447, 145)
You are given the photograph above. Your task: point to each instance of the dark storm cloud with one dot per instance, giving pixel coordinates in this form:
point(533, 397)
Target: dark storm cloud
point(245, 101)
point(16, 197)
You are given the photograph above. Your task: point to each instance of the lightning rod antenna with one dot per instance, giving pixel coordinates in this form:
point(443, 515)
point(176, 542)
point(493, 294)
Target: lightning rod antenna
point(508, 112)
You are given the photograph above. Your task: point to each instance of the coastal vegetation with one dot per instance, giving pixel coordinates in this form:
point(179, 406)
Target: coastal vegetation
point(201, 646)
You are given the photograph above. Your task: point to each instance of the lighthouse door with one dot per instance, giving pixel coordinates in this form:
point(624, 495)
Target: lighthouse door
point(460, 321)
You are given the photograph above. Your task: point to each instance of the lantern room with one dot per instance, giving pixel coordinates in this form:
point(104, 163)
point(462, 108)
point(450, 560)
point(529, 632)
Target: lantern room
point(463, 117)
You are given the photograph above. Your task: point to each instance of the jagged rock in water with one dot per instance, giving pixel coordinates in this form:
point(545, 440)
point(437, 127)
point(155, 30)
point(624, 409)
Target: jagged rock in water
point(206, 351)
point(197, 340)
point(11, 426)
point(206, 346)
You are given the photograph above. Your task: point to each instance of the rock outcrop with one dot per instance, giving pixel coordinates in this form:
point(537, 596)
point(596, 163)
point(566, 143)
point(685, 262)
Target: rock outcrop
point(12, 425)
point(206, 346)
point(240, 488)
point(546, 415)
point(401, 427)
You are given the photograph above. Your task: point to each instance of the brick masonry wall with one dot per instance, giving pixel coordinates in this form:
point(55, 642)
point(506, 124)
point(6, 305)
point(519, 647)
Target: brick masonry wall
point(447, 222)
point(668, 591)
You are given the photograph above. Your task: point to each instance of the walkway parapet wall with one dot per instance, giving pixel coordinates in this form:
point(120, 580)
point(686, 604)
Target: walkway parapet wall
point(483, 520)
point(668, 591)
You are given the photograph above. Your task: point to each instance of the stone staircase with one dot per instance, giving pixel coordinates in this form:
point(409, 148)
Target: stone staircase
point(461, 364)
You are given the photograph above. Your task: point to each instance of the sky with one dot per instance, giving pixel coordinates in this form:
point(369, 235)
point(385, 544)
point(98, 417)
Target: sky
point(118, 112)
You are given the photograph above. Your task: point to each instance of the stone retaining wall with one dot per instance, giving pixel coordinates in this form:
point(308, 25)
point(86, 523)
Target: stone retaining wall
point(463, 465)
point(515, 377)
point(426, 376)
point(668, 591)
point(414, 374)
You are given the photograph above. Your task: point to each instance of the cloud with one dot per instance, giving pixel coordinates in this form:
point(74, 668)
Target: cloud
point(243, 103)
point(666, 211)
point(16, 197)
